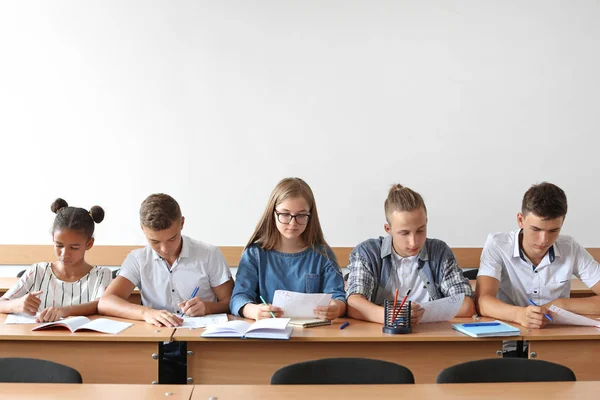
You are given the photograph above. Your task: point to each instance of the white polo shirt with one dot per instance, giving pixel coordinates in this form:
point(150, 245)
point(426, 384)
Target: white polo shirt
point(503, 260)
point(199, 265)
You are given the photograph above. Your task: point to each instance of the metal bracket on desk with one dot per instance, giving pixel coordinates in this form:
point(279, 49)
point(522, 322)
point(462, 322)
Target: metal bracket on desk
point(172, 363)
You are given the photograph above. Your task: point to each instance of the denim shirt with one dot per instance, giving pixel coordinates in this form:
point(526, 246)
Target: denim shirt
point(261, 272)
point(373, 274)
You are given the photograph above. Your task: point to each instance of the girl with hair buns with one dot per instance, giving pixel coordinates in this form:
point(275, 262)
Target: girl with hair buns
point(69, 285)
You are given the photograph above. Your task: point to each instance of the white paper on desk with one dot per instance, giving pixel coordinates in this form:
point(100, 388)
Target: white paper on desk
point(21, 319)
point(442, 309)
point(204, 321)
point(560, 316)
point(299, 305)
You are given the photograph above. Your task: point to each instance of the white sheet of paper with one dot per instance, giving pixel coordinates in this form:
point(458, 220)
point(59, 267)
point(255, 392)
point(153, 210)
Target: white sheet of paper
point(21, 319)
point(561, 316)
point(299, 305)
point(442, 309)
point(204, 321)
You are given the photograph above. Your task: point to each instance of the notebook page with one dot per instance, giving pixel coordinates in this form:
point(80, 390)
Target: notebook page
point(442, 309)
point(21, 319)
point(72, 323)
point(234, 328)
point(269, 324)
point(299, 305)
point(105, 325)
point(561, 316)
point(204, 321)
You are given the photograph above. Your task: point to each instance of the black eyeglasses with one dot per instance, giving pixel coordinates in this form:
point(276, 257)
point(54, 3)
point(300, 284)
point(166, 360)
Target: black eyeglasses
point(286, 218)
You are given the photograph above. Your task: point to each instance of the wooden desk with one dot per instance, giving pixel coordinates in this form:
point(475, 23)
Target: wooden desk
point(429, 349)
point(578, 288)
point(576, 347)
point(37, 391)
point(99, 357)
point(473, 391)
point(7, 283)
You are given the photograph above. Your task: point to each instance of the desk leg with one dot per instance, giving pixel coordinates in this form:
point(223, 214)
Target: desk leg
point(579, 355)
point(253, 362)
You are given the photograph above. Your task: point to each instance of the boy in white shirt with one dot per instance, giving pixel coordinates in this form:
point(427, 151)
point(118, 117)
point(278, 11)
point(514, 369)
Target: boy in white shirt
point(168, 271)
point(534, 265)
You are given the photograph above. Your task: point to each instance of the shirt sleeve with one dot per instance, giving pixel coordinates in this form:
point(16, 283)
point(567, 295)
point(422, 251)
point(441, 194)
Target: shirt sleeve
point(131, 269)
point(104, 280)
point(246, 282)
point(360, 276)
point(333, 280)
point(491, 262)
point(24, 285)
point(453, 281)
point(586, 268)
point(218, 270)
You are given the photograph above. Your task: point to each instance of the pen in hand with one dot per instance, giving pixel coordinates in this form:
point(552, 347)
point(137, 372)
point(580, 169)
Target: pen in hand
point(549, 318)
point(265, 303)
point(194, 293)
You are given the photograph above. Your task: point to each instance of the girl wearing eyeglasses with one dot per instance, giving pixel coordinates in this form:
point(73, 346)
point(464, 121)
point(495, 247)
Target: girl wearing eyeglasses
point(287, 251)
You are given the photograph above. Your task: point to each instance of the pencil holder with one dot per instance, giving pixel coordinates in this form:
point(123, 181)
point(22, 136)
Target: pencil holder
point(396, 319)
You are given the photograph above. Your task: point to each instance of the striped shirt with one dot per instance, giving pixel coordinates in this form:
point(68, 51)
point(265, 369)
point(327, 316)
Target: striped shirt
point(57, 293)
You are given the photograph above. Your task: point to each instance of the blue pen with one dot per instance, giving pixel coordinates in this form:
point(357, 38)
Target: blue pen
point(265, 303)
point(483, 324)
point(545, 315)
point(194, 293)
point(345, 324)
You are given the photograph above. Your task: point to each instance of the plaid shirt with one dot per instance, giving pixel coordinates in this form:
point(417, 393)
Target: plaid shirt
point(374, 275)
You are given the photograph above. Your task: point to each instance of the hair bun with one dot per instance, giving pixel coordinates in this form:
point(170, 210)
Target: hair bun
point(58, 205)
point(97, 214)
point(396, 187)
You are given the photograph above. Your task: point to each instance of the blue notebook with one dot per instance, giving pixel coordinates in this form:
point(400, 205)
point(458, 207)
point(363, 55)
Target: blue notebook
point(487, 329)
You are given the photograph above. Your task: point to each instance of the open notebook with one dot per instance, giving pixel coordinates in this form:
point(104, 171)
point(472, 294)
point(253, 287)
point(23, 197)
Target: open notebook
point(75, 324)
point(270, 328)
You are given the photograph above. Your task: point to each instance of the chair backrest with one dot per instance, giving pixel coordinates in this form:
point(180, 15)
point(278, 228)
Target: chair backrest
point(470, 274)
point(342, 371)
point(31, 370)
point(115, 273)
point(505, 370)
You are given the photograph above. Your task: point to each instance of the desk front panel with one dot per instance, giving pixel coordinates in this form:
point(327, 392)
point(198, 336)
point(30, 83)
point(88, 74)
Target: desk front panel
point(498, 391)
point(576, 347)
point(100, 358)
point(38, 391)
point(429, 349)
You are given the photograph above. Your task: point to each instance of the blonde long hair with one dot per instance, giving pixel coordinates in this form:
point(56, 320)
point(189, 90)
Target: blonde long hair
point(266, 234)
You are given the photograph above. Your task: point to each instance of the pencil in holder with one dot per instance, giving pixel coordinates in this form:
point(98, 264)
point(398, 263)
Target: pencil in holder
point(396, 320)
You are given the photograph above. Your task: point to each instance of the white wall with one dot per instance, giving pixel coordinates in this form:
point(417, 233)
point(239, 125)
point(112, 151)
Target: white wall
point(467, 102)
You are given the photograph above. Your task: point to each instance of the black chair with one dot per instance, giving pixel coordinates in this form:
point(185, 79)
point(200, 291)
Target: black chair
point(31, 370)
point(471, 274)
point(115, 273)
point(20, 274)
point(342, 371)
point(506, 370)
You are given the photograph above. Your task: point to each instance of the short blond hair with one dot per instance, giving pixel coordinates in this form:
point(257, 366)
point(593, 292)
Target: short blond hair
point(401, 198)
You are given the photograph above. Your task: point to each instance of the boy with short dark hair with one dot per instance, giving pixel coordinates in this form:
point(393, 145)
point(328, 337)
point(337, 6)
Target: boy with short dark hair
point(534, 264)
